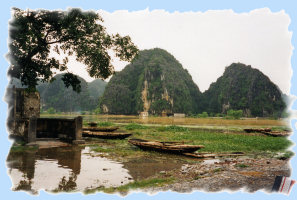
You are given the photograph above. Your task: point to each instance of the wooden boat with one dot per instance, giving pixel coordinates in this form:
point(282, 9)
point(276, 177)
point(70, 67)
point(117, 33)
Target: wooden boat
point(276, 134)
point(92, 124)
point(268, 131)
point(106, 135)
point(171, 147)
point(257, 130)
point(100, 129)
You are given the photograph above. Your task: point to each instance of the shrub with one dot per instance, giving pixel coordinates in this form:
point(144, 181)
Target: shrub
point(203, 115)
point(97, 111)
point(51, 110)
point(234, 114)
point(220, 115)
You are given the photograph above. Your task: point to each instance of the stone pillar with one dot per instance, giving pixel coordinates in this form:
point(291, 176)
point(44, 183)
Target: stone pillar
point(32, 129)
point(78, 131)
point(14, 103)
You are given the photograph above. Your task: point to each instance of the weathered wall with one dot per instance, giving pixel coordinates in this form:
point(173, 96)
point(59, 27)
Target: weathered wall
point(31, 104)
point(24, 121)
point(65, 129)
point(22, 105)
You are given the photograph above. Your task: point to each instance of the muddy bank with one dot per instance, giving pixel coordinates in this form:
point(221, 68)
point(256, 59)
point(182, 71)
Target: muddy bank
point(115, 166)
point(227, 174)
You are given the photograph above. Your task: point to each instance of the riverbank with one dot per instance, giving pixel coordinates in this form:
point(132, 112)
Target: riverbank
point(263, 157)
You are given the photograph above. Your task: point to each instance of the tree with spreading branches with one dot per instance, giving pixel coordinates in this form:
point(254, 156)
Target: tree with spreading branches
point(34, 34)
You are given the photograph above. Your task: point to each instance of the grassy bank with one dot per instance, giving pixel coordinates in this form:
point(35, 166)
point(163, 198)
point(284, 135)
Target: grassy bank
point(213, 141)
point(256, 145)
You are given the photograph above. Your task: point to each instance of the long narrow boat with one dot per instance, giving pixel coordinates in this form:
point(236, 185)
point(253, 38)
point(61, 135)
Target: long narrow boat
point(106, 135)
point(257, 130)
point(170, 147)
point(92, 124)
point(268, 131)
point(277, 133)
point(103, 129)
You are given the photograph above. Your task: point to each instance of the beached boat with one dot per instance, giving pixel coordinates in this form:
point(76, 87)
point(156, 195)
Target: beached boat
point(277, 133)
point(92, 124)
point(106, 135)
point(100, 129)
point(171, 147)
point(257, 130)
point(268, 131)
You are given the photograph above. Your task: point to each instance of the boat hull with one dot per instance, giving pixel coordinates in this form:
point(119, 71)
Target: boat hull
point(99, 129)
point(168, 147)
point(106, 135)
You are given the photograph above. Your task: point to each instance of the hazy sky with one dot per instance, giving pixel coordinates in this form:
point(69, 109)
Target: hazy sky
point(206, 42)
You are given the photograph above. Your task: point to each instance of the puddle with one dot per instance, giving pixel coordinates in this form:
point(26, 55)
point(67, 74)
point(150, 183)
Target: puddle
point(78, 169)
point(149, 166)
point(64, 169)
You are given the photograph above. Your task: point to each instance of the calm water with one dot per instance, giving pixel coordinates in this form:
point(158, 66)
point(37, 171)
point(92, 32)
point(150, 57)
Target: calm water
point(79, 169)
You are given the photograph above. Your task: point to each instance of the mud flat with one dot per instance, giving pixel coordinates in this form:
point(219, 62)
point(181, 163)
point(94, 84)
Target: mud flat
point(227, 174)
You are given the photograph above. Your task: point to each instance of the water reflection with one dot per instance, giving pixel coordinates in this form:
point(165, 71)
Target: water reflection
point(79, 169)
point(64, 169)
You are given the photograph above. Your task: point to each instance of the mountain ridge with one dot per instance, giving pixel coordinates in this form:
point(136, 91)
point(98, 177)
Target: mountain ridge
point(155, 82)
point(242, 87)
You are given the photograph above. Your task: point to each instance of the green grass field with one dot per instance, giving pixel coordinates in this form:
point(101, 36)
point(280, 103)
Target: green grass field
point(214, 142)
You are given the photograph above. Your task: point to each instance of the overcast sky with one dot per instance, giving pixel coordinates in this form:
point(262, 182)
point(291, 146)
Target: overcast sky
point(206, 42)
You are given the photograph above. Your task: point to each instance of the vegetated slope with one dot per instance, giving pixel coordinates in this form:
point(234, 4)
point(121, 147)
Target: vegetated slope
point(154, 82)
point(96, 88)
point(63, 99)
point(245, 88)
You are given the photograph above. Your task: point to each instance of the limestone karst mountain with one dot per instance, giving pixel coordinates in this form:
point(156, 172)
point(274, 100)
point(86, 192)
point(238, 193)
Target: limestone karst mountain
point(242, 87)
point(154, 82)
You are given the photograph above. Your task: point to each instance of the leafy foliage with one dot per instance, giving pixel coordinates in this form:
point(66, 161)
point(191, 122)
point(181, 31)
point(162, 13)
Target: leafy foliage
point(51, 110)
point(234, 114)
point(97, 110)
point(203, 115)
point(34, 33)
point(167, 86)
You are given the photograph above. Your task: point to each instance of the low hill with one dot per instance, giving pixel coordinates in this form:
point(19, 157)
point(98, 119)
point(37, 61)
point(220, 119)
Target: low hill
point(96, 88)
point(63, 99)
